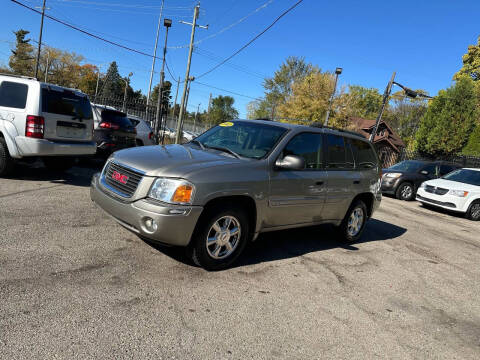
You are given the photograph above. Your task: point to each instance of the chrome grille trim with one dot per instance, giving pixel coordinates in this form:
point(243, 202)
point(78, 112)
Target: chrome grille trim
point(124, 190)
point(435, 190)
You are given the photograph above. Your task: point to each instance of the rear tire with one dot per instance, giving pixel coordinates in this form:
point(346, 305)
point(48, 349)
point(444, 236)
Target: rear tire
point(219, 238)
point(473, 212)
point(405, 191)
point(6, 162)
point(58, 163)
point(353, 224)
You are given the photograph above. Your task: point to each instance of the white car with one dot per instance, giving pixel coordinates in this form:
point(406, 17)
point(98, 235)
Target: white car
point(188, 135)
point(144, 131)
point(43, 120)
point(457, 191)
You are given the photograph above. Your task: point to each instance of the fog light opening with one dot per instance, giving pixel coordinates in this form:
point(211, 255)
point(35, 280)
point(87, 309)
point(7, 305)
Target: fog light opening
point(150, 224)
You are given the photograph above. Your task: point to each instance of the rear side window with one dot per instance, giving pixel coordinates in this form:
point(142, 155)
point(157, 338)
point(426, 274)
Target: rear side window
point(66, 103)
point(13, 95)
point(116, 117)
point(309, 147)
point(364, 154)
point(339, 154)
point(135, 122)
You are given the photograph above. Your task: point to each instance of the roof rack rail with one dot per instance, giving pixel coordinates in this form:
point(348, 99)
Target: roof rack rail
point(19, 76)
point(320, 125)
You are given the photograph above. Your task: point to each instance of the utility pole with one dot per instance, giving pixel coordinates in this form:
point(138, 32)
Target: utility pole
point(96, 88)
point(386, 95)
point(338, 71)
point(209, 107)
point(124, 109)
point(154, 55)
point(178, 136)
point(158, 118)
point(195, 118)
point(46, 66)
point(188, 93)
point(176, 96)
point(40, 40)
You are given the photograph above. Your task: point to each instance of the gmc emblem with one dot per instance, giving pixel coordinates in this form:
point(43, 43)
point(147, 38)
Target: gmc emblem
point(119, 177)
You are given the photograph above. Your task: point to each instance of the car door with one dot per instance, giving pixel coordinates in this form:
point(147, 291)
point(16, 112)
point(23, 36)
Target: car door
point(298, 196)
point(343, 181)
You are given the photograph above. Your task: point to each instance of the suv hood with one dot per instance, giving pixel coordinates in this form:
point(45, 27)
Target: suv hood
point(452, 185)
point(171, 160)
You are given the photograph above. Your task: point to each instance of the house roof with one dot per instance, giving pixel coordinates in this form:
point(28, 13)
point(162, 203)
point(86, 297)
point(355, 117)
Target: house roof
point(365, 127)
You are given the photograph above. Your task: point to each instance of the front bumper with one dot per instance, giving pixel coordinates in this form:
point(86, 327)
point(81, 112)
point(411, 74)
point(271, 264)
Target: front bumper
point(447, 202)
point(43, 147)
point(172, 228)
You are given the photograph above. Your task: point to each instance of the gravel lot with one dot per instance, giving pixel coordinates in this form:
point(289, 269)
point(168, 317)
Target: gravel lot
point(74, 284)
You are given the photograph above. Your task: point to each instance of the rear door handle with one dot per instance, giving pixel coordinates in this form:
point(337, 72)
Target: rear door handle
point(319, 183)
point(356, 182)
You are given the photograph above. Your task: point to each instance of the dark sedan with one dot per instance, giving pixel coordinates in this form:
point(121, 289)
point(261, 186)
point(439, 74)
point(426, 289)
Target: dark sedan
point(403, 179)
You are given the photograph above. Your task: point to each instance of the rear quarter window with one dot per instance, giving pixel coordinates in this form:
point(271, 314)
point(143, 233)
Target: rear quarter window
point(364, 154)
point(13, 95)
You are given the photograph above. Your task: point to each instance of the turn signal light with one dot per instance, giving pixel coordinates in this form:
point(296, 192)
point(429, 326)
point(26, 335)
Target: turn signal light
point(183, 194)
point(35, 127)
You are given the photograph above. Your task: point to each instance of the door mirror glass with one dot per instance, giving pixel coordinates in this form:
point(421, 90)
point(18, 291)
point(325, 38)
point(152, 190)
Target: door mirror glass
point(291, 162)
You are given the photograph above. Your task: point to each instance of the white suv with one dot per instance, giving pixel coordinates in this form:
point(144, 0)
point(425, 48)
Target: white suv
point(43, 120)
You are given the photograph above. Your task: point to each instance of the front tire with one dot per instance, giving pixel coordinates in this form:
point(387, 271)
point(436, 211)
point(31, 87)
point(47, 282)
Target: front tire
point(58, 164)
point(405, 191)
point(353, 224)
point(220, 237)
point(6, 162)
point(473, 212)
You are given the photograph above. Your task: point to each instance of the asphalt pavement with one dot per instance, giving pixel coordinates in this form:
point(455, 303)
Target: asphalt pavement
point(74, 284)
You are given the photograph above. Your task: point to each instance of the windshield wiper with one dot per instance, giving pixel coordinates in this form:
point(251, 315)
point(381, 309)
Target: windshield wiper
point(224, 149)
point(199, 143)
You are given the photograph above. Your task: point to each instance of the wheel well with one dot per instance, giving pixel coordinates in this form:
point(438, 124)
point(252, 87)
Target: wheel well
point(139, 142)
point(367, 198)
point(245, 202)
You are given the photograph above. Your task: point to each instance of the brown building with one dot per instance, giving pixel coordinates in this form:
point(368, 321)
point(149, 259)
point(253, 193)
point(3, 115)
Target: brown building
point(387, 142)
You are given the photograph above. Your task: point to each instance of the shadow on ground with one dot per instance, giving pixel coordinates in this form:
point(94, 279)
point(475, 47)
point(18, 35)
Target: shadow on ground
point(286, 244)
point(79, 175)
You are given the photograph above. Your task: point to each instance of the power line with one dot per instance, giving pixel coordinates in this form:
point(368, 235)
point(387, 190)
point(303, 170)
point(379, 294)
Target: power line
point(228, 91)
point(84, 31)
point(252, 40)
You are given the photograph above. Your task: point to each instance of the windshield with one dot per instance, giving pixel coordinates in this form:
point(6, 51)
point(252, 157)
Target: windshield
point(247, 139)
point(465, 176)
point(66, 103)
point(407, 166)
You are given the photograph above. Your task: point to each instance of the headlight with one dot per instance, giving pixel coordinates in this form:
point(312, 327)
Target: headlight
point(423, 185)
point(173, 191)
point(459, 193)
point(392, 175)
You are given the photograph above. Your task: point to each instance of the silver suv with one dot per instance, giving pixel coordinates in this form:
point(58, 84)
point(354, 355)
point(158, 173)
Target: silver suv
point(237, 180)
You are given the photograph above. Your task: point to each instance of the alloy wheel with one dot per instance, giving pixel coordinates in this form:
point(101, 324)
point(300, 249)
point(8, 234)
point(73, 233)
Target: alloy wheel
point(223, 237)
point(355, 222)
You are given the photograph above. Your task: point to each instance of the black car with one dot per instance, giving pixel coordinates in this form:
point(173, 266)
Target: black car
point(113, 131)
point(403, 179)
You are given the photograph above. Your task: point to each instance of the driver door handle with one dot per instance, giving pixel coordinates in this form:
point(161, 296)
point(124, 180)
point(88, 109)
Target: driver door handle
point(319, 183)
point(356, 182)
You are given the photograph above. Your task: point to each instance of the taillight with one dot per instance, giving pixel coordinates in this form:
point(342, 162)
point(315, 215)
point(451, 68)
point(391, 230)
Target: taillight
point(35, 127)
point(150, 136)
point(109, 125)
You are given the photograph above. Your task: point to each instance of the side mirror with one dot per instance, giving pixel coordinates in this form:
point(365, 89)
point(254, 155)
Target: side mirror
point(291, 162)
point(424, 172)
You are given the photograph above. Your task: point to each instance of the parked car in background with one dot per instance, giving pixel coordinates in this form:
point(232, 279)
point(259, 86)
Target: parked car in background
point(457, 191)
point(403, 179)
point(113, 130)
point(43, 120)
point(219, 191)
point(188, 135)
point(144, 131)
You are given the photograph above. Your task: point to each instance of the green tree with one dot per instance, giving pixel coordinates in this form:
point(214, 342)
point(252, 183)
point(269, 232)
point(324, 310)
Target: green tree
point(363, 102)
point(471, 63)
point(473, 145)
point(113, 86)
point(449, 120)
point(258, 109)
point(222, 109)
point(22, 60)
point(166, 91)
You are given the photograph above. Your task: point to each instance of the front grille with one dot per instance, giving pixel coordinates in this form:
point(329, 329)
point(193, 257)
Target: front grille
point(447, 204)
point(126, 189)
point(435, 190)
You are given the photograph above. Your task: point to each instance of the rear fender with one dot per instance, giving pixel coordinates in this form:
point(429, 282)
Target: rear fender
point(9, 132)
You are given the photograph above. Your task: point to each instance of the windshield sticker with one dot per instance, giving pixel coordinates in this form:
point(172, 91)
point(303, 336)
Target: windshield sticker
point(226, 124)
